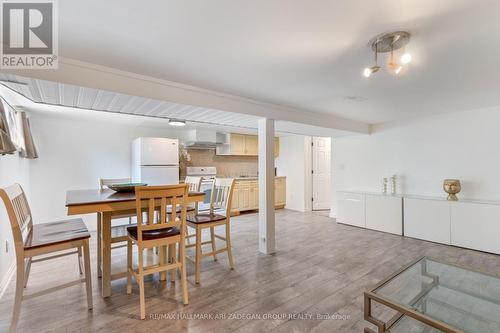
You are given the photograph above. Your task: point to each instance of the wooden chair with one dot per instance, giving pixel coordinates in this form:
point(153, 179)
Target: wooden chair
point(194, 185)
point(118, 232)
point(169, 230)
point(34, 240)
point(219, 214)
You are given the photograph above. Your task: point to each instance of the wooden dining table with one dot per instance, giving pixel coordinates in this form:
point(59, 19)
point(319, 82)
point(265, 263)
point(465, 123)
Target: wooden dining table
point(108, 203)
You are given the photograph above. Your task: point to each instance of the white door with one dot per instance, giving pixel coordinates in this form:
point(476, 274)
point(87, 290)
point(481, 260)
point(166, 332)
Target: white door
point(159, 151)
point(321, 166)
point(160, 175)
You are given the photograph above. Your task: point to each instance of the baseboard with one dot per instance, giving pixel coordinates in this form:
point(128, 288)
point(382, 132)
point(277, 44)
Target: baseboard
point(7, 278)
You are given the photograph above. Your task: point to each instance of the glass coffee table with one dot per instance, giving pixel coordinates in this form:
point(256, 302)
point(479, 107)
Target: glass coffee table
point(430, 295)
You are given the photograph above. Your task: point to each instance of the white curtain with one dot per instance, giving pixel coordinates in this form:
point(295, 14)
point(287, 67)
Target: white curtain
point(6, 144)
point(29, 149)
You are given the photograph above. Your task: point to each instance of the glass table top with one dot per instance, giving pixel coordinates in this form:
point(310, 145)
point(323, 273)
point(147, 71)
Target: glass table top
point(463, 298)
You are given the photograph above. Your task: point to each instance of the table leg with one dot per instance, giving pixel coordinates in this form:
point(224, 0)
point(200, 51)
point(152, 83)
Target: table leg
point(99, 245)
point(106, 254)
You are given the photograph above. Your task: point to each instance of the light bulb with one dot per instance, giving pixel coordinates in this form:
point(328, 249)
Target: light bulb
point(367, 72)
point(406, 58)
point(398, 70)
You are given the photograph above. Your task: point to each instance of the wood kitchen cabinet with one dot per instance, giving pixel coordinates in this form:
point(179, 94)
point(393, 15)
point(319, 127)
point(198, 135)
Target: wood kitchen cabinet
point(243, 145)
point(246, 194)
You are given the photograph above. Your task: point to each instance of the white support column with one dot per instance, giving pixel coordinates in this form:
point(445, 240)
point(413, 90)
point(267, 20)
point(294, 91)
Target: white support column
point(267, 242)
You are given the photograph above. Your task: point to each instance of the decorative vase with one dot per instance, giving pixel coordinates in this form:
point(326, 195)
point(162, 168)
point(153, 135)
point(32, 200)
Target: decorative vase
point(452, 187)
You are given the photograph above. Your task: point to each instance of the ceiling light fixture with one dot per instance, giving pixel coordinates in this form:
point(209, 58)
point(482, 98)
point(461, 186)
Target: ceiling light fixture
point(389, 42)
point(175, 122)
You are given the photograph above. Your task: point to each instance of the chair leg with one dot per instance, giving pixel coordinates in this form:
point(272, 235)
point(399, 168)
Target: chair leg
point(99, 245)
point(172, 249)
point(27, 273)
point(129, 267)
point(182, 254)
point(187, 235)
point(88, 274)
point(197, 260)
point(212, 240)
point(19, 295)
point(162, 252)
point(140, 281)
point(228, 245)
point(80, 260)
point(142, 300)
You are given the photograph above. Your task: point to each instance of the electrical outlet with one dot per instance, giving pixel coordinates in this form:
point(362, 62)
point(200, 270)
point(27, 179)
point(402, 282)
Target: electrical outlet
point(6, 246)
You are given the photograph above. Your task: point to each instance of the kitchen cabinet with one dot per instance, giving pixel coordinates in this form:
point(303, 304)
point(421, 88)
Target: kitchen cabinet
point(246, 194)
point(243, 145)
point(237, 144)
point(280, 192)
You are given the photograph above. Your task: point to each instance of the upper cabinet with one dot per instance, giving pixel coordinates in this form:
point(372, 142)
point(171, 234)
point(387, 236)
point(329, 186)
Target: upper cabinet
point(243, 145)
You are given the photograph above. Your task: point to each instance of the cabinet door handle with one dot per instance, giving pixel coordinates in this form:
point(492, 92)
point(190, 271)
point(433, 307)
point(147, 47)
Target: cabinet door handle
point(354, 200)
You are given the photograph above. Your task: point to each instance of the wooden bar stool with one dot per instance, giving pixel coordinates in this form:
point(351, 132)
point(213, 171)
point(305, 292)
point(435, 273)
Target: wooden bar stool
point(167, 230)
point(118, 232)
point(194, 185)
point(219, 214)
point(33, 240)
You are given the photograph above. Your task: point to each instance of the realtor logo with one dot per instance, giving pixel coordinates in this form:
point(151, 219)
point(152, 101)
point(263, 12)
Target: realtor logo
point(29, 34)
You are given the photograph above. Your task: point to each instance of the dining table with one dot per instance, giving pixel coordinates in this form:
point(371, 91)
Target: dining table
point(107, 204)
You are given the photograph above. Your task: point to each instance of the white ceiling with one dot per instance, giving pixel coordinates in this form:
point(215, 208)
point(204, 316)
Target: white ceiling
point(304, 54)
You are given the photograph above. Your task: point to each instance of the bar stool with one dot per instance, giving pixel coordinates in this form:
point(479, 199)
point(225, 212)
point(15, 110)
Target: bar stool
point(167, 230)
point(219, 214)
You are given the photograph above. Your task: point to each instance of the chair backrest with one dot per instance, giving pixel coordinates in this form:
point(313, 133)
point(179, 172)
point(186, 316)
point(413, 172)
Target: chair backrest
point(194, 183)
point(222, 195)
point(149, 198)
point(19, 213)
point(104, 182)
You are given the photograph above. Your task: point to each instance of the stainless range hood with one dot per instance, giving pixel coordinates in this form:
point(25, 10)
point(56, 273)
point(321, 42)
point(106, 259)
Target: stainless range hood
point(203, 139)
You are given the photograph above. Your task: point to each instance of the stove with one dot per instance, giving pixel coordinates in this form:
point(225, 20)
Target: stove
point(208, 175)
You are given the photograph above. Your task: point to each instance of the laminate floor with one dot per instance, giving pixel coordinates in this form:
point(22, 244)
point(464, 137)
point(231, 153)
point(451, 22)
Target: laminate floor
point(314, 283)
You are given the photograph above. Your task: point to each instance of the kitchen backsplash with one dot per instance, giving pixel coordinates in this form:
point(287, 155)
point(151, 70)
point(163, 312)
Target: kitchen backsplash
point(230, 166)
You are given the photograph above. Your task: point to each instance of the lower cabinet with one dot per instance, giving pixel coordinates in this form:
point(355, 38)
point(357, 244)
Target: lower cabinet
point(427, 219)
point(384, 213)
point(351, 208)
point(279, 192)
point(246, 194)
point(475, 226)
point(371, 211)
point(469, 224)
point(465, 224)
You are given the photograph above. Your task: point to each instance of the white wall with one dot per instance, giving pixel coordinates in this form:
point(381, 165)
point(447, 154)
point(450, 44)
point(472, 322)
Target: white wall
point(294, 162)
point(423, 152)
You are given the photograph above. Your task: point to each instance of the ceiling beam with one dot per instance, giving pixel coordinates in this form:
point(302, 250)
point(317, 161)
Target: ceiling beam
point(89, 75)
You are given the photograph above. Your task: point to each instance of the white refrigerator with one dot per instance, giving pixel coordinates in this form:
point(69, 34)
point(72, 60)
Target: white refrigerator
point(155, 161)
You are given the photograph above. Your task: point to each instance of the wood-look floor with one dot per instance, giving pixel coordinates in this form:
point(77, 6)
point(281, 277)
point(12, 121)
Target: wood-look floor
point(321, 267)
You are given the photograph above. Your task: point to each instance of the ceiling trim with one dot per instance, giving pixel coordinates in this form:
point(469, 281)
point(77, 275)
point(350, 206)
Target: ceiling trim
point(89, 75)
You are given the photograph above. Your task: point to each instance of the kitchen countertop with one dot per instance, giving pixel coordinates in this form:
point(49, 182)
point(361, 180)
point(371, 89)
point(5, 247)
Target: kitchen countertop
point(254, 178)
